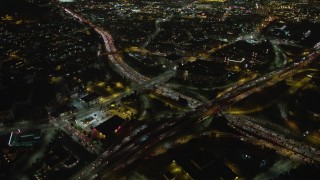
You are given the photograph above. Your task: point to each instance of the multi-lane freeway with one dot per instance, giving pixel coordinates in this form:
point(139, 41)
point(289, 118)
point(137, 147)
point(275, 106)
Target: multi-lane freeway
point(276, 135)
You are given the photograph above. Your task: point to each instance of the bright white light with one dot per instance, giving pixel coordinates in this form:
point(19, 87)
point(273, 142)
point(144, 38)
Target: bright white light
point(66, 0)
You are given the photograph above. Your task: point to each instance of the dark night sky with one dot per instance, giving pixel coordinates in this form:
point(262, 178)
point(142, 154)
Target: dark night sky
point(11, 6)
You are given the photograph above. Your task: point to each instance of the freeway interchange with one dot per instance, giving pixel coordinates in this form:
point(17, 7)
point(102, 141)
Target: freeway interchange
point(135, 144)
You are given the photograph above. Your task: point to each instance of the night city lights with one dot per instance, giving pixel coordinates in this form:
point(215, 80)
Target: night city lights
point(159, 89)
